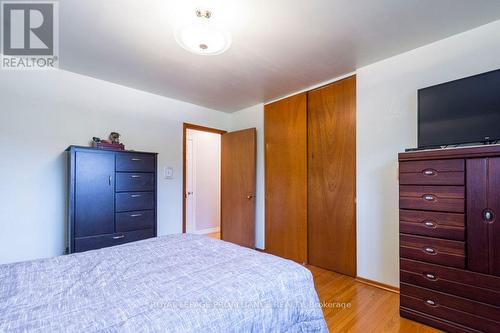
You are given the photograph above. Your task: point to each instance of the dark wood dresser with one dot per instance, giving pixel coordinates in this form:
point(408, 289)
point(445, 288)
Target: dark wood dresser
point(112, 197)
point(449, 202)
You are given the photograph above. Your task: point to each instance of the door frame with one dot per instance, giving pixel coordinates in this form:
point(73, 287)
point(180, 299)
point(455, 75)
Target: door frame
point(185, 127)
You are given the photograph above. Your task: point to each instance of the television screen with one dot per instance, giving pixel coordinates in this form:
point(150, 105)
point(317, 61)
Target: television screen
point(461, 111)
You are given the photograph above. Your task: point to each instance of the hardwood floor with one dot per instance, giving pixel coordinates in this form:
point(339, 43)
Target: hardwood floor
point(358, 307)
point(215, 235)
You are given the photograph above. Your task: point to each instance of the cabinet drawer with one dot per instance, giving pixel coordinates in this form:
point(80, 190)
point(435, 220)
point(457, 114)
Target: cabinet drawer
point(97, 242)
point(444, 325)
point(432, 224)
point(126, 182)
point(434, 250)
point(135, 162)
point(475, 286)
point(131, 201)
point(459, 310)
point(135, 220)
point(434, 198)
point(438, 172)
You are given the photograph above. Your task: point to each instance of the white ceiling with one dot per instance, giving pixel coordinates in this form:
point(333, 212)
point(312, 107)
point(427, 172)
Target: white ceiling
point(279, 46)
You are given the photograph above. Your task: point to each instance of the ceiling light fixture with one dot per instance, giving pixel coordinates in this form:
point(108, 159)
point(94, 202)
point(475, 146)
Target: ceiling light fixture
point(202, 36)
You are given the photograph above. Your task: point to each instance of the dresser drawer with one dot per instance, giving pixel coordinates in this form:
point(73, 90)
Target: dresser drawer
point(434, 198)
point(135, 162)
point(432, 224)
point(132, 201)
point(444, 325)
point(434, 250)
point(135, 220)
point(438, 172)
point(475, 286)
point(97, 242)
point(460, 310)
point(127, 182)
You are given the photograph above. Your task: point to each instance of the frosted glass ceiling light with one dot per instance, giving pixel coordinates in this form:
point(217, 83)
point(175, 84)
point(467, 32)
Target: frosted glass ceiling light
point(202, 36)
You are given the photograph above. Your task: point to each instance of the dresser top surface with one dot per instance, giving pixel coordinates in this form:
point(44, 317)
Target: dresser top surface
point(448, 153)
point(83, 148)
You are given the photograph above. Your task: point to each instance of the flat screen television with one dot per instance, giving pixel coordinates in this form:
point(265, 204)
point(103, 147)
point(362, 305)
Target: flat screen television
point(459, 112)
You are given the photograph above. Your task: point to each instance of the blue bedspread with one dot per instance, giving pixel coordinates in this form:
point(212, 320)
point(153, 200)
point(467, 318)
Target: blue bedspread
point(175, 283)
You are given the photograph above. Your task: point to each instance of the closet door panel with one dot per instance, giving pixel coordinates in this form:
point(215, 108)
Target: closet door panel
point(285, 135)
point(332, 176)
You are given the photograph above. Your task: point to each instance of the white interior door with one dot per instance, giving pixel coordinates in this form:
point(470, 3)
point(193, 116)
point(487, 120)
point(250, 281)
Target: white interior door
point(190, 181)
point(203, 166)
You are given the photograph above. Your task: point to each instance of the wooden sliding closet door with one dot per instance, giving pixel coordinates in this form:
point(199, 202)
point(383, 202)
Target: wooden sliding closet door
point(332, 176)
point(285, 133)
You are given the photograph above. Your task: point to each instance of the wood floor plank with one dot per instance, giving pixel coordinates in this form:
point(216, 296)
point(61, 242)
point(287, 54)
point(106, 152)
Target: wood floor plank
point(366, 309)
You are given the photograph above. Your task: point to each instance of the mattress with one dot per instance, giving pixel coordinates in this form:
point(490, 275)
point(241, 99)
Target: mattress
point(174, 283)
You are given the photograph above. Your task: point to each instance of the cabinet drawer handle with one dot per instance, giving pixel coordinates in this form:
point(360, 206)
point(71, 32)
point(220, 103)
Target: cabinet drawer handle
point(136, 159)
point(135, 195)
point(429, 197)
point(429, 172)
point(135, 176)
point(429, 250)
point(430, 276)
point(430, 302)
point(488, 215)
point(119, 237)
point(429, 224)
point(135, 215)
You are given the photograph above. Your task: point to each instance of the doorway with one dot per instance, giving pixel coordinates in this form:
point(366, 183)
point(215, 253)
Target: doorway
point(202, 170)
point(219, 183)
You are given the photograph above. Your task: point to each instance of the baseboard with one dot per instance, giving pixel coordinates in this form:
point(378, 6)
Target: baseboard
point(378, 285)
point(206, 231)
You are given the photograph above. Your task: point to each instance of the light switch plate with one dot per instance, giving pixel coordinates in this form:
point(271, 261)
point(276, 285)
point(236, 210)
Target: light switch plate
point(168, 172)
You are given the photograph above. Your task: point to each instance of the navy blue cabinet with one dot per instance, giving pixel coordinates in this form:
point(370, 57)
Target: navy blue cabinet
point(94, 193)
point(112, 197)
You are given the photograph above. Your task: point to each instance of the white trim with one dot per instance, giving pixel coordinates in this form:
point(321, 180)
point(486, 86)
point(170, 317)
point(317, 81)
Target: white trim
point(206, 231)
point(324, 83)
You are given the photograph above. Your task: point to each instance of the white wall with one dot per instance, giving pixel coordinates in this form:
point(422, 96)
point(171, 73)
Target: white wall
point(42, 113)
point(248, 118)
point(206, 182)
point(386, 125)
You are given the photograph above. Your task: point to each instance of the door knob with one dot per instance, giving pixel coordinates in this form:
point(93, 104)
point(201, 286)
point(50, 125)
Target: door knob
point(488, 215)
point(250, 196)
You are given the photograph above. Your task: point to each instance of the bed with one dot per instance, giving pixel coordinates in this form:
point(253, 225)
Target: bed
point(174, 283)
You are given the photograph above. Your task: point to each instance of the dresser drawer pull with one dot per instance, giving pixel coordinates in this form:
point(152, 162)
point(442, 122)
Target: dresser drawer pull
point(135, 196)
point(135, 176)
point(429, 197)
point(430, 302)
point(429, 224)
point(488, 215)
point(430, 276)
point(136, 159)
point(429, 250)
point(135, 215)
point(430, 172)
point(119, 237)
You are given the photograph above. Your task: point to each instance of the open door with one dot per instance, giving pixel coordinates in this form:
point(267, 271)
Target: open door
point(238, 187)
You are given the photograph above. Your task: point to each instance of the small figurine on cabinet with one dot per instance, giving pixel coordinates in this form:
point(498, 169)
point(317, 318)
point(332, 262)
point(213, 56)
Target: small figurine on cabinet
point(113, 143)
point(114, 138)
